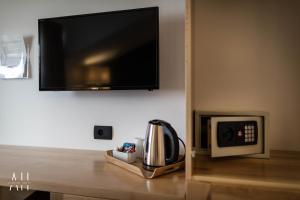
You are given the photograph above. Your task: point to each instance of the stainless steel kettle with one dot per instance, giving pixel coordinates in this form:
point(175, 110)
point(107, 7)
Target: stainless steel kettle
point(161, 146)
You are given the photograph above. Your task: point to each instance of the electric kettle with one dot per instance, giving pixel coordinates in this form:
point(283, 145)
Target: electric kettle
point(161, 145)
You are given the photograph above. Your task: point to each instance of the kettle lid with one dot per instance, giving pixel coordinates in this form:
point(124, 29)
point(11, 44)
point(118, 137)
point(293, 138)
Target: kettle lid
point(158, 122)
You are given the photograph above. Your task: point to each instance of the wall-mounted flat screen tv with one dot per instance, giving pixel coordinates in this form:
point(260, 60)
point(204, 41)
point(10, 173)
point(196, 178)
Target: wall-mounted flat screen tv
point(116, 50)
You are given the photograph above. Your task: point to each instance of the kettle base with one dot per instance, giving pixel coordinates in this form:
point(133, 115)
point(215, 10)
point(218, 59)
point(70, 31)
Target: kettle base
point(149, 168)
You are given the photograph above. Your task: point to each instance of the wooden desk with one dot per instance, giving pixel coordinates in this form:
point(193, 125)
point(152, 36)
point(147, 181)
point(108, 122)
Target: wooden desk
point(66, 172)
point(85, 175)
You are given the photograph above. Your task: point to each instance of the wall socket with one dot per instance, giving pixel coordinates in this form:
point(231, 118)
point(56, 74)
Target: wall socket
point(103, 132)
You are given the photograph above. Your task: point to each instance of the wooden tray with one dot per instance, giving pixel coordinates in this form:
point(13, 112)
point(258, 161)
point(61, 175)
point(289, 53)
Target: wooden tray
point(137, 167)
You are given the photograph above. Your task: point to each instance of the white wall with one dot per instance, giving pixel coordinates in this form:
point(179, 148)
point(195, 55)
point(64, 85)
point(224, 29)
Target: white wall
point(66, 119)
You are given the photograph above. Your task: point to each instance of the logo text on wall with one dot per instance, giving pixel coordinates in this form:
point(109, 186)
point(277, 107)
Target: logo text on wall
point(19, 181)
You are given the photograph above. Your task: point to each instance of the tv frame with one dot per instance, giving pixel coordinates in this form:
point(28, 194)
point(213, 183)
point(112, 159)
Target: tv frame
point(144, 87)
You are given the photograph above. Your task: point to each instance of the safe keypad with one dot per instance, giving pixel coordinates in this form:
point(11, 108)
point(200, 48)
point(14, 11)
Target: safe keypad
point(237, 133)
point(249, 133)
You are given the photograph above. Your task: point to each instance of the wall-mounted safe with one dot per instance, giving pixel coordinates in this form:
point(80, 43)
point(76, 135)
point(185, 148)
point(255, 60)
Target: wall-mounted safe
point(220, 134)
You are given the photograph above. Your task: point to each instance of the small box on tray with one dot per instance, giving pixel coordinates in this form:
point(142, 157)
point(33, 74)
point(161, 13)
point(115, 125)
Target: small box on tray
point(126, 153)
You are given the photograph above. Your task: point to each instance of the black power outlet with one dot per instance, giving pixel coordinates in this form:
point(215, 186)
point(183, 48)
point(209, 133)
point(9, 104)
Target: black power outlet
point(103, 132)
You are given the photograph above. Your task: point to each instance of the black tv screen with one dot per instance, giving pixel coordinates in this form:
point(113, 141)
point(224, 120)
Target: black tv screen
point(116, 50)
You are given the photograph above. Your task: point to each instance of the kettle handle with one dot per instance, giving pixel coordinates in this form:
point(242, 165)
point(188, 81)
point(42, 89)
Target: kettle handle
point(174, 144)
point(183, 158)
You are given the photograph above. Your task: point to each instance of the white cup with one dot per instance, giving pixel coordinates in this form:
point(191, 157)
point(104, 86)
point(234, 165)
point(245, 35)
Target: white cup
point(139, 147)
